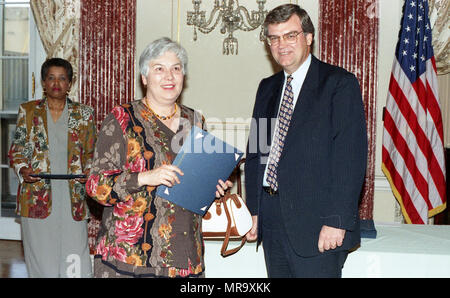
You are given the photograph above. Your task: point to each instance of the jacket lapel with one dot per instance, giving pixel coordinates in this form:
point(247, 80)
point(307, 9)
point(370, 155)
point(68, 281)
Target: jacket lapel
point(40, 117)
point(302, 112)
point(308, 93)
point(273, 103)
point(74, 153)
point(39, 135)
point(73, 123)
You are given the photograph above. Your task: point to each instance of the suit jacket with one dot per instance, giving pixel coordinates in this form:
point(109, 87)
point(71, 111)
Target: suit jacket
point(323, 163)
point(30, 148)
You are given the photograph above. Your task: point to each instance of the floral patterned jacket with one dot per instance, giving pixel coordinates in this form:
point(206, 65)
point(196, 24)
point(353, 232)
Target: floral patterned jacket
point(30, 148)
point(141, 233)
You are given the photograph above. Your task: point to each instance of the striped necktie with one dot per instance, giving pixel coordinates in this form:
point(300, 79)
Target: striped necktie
point(281, 129)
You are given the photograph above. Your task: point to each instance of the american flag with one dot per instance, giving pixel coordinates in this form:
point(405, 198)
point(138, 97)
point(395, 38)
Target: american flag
point(413, 151)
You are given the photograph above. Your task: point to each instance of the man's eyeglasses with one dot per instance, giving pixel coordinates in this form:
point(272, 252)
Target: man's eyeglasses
point(290, 37)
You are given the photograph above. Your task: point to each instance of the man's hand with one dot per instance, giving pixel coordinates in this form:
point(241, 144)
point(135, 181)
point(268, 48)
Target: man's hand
point(330, 238)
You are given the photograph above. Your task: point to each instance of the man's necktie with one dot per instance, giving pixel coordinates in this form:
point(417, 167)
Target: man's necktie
point(281, 129)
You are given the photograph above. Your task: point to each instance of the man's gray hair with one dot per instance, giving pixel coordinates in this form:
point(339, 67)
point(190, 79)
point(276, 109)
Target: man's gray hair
point(159, 47)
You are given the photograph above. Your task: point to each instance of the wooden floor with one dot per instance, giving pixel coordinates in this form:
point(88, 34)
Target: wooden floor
point(12, 263)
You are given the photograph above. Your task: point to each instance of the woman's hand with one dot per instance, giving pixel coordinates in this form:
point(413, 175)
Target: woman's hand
point(25, 172)
point(83, 180)
point(165, 174)
point(222, 187)
point(252, 235)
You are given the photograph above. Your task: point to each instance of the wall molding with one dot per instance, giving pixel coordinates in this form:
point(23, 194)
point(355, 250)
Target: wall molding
point(382, 184)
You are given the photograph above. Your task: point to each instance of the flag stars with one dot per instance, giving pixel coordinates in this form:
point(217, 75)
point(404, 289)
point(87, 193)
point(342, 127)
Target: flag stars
point(415, 40)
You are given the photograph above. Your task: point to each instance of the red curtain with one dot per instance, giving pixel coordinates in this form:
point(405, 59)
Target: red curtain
point(348, 37)
point(106, 67)
point(107, 54)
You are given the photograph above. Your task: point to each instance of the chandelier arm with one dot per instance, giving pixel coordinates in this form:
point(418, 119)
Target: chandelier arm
point(211, 18)
point(252, 23)
point(206, 30)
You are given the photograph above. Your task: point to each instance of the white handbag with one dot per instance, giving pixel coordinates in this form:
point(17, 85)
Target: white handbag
point(228, 218)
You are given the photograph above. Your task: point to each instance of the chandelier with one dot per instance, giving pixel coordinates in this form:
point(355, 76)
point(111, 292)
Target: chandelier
point(231, 17)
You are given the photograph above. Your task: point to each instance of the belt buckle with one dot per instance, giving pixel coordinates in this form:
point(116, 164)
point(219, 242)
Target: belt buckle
point(270, 191)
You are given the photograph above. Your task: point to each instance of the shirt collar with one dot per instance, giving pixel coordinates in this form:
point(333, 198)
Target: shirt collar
point(300, 74)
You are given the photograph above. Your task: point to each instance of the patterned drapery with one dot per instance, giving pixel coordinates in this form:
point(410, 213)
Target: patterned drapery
point(348, 37)
point(107, 54)
point(58, 25)
point(439, 18)
point(107, 66)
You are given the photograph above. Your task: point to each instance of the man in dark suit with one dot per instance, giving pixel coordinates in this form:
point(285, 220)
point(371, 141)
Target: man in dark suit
point(303, 188)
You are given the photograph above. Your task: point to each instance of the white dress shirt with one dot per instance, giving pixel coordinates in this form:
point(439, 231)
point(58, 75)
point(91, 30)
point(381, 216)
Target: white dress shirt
point(296, 83)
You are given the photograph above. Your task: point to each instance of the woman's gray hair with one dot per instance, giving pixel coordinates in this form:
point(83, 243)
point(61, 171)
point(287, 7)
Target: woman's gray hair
point(159, 47)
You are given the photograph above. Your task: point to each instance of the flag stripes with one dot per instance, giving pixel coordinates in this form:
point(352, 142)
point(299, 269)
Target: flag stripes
point(413, 151)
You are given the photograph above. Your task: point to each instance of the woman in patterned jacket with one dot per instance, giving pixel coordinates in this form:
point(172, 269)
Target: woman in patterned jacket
point(54, 135)
point(143, 235)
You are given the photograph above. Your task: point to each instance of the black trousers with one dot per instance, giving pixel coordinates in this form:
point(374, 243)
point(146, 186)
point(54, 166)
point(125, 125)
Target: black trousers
point(281, 260)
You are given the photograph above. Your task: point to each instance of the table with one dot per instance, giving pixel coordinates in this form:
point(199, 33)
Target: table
point(246, 263)
point(399, 250)
point(402, 250)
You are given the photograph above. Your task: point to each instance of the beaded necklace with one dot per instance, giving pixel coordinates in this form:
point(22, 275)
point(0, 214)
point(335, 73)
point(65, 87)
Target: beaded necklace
point(159, 116)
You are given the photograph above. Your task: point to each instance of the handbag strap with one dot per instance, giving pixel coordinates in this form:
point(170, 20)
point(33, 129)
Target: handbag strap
point(224, 252)
point(238, 177)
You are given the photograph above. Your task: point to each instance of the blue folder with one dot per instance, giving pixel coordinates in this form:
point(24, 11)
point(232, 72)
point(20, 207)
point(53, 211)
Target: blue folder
point(204, 159)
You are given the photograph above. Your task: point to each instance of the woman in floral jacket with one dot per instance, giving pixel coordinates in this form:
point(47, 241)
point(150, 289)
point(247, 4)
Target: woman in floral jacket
point(143, 235)
point(54, 135)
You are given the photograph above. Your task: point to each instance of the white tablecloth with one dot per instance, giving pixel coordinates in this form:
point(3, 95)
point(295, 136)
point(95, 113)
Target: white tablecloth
point(246, 263)
point(402, 251)
point(398, 251)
